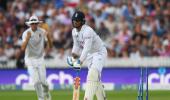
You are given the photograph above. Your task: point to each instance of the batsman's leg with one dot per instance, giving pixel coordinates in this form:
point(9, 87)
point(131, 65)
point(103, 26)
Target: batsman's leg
point(100, 93)
point(92, 84)
point(91, 88)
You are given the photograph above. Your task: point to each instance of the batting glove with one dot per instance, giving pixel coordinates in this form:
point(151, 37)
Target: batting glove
point(75, 63)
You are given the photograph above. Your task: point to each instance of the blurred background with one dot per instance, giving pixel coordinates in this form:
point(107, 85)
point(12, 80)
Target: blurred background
point(135, 32)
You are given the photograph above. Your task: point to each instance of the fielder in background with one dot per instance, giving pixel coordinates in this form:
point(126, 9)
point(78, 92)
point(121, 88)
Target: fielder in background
point(88, 47)
point(33, 44)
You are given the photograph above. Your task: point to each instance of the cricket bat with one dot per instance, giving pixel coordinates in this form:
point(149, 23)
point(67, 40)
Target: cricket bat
point(76, 88)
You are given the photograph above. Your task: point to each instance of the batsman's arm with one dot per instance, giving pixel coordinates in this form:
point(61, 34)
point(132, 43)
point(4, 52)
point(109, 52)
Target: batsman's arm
point(25, 41)
point(75, 49)
point(87, 47)
point(75, 56)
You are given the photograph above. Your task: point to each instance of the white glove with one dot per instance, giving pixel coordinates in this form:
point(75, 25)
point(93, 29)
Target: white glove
point(75, 63)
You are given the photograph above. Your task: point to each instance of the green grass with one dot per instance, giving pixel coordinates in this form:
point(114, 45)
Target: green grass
point(67, 95)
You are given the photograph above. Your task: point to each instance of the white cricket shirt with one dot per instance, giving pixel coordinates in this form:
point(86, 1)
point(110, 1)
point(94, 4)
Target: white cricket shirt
point(35, 46)
point(86, 42)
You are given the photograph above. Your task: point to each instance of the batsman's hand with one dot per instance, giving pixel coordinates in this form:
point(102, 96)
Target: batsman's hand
point(75, 63)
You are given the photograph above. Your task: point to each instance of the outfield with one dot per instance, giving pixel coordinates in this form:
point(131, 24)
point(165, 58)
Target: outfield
point(67, 95)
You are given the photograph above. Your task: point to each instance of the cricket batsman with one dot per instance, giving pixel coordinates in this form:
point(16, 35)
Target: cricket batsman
point(88, 46)
point(33, 44)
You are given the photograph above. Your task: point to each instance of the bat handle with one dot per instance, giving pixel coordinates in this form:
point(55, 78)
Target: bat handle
point(77, 82)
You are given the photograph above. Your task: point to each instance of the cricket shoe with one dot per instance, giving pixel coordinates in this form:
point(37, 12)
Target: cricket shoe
point(48, 97)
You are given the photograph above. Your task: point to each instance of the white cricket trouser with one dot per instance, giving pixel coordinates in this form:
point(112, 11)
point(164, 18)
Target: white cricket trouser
point(37, 72)
point(94, 86)
point(97, 60)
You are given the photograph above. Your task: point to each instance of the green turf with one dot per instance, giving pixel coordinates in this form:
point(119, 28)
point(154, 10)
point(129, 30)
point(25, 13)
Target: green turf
point(67, 95)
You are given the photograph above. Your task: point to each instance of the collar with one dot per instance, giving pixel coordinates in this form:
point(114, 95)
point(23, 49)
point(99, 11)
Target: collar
point(82, 28)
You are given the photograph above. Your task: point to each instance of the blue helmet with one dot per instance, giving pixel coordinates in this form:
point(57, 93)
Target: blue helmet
point(79, 16)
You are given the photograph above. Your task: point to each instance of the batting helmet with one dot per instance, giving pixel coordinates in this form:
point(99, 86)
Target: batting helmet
point(79, 16)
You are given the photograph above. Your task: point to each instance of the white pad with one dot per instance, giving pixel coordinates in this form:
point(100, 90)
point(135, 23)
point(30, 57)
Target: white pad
point(100, 93)
point(94, 86)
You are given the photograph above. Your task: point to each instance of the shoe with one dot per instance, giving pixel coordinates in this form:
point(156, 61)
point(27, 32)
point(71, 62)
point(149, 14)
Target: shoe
point(48, 97)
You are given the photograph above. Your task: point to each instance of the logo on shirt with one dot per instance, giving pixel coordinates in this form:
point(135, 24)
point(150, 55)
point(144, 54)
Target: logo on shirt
point(81, 43)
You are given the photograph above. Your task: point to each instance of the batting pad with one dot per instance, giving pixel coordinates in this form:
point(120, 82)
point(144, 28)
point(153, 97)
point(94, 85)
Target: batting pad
point(94, 86)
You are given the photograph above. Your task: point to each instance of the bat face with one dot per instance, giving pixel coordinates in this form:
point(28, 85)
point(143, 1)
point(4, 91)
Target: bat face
point(76, 88)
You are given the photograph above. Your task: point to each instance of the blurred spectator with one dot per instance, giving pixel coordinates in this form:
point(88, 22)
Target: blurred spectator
point(3, 57)
point(165, 51)
point(138, 35)
point(110, 23)
point(124, 35)
point(3, 4)
point(129, 28)
point(91, 23)
point(135, 52)
point(103, 32)
point(59, 36)
point(19, 56)
point(9, 50)
point(144, 48)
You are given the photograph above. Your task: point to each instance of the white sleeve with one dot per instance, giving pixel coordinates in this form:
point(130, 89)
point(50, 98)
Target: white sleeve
point(88, 38)
point(44, 34)
point(75, 48)
point(24, 35)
